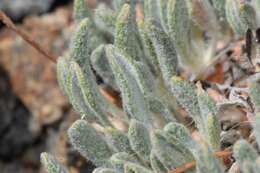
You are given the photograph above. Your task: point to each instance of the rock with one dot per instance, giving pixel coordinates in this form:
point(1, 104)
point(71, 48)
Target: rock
point(228, 138)
point(32, 76)
point(15, 132)
point(20, 8)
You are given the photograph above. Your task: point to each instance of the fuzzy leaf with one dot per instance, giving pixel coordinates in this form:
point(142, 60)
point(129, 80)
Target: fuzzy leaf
point(219, 6)
point(203, 15)
point(247, 15)
point(250, 167)
point(202, 153)
point(118, 140)
point(233, 14)
point(85, 39)
point(80, 52)
point(210, 123)
point(179, 26)
point(135, 168)
point(76, 96)
point(133, 99)
point(256, 128)
point(254, 91)
point(186, 96)
point(178, 135)
point(80, 10)
point(149, 49)
point(139, 138)
point(139, 71)
point(118, 161)
point(63, 73)
point(156, 164)
point(243, 151)
point(166, 54)
point(104, 170)
point(169, 155)
point(89, 143)
point(257, 7)
point(214, 130)
point(117, 4)
point(79, 46)
point(90, 93)
point(125, 36)
point(143, 76)
point(181, 134)
point(206, 161)
point(105, 18)
point(101, 65)
point(161, 109)
point(51, 164)
point(70, 86)
point(151, 9)
point(163, 14)
point(206, 104)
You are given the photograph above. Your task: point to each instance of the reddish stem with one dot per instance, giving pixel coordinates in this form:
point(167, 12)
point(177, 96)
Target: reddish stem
point(190, 165)
point(8, 22)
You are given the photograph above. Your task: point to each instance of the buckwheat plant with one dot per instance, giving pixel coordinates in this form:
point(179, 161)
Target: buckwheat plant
point(140, 47)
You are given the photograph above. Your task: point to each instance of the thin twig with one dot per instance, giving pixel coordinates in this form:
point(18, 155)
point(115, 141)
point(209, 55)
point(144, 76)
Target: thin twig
point(192, 164)
point(8, 22)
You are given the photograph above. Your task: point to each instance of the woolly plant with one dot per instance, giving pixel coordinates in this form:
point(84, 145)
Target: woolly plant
point(139, 48)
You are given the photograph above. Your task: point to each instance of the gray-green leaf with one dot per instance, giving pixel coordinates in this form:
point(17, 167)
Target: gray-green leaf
point(51, 164)
point(139, 138)
point(89, 143)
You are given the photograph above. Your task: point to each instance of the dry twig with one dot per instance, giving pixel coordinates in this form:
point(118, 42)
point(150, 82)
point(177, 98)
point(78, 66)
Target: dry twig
point(190, 165)
point(8, 22)
point(108, 93)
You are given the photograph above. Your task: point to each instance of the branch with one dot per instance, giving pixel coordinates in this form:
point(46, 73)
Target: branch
point(190, 165)
point(8, 22)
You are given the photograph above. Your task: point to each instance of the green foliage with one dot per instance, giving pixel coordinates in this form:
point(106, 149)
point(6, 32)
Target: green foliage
point(163, 14)
point(135, 168)
point(125, 37)
point(118, 161)
point(89, 143)
point(104, 170)
point(185, 93)
point(118, 140)
point(165, 50)
point(169, 154)
point(246, 157)
point(143, 62)
point(100, 63)
point(139, 137)
point(133, 99)
point(51, 164)
point(179, 25)
point(255, 93)
point(105, 19)
point(213, 132)
point(219, 6)
point(80, 10)
point(151, 9)
point(156, 164)
point(242, 15)
point(256, 126)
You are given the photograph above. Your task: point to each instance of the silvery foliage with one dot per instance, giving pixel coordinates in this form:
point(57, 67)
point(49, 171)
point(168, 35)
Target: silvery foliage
point(139, 48)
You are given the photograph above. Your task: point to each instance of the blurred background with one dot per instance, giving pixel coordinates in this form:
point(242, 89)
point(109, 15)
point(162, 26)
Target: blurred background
point(34, 114)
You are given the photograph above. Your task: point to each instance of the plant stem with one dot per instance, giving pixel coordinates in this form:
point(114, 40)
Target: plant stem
point(190, 165)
